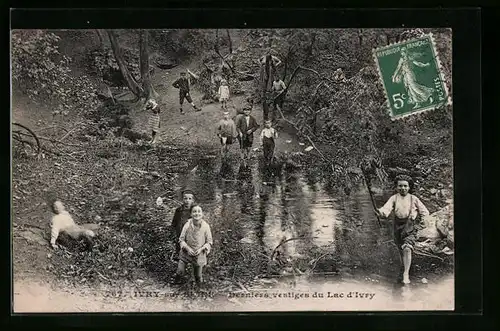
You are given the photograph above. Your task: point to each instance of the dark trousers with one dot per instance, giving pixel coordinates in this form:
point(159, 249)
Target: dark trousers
point(404, 233)
point(268, 147)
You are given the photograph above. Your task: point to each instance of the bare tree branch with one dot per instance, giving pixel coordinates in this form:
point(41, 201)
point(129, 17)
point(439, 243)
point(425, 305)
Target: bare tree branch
point(32, 134)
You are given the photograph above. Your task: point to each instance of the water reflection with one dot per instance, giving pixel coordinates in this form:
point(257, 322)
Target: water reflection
point(250, 209)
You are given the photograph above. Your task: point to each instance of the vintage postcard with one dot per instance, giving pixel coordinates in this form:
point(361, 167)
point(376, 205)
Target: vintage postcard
point(219, 170)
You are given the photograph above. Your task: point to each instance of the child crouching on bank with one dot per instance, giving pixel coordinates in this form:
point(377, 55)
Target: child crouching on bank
point(195, 243)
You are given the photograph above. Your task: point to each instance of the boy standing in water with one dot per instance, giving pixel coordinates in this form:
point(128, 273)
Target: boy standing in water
point(406, 208)
point(226, 131)
point(183, 84)
point(267, 136)
point(181, 216)
point(246, 126)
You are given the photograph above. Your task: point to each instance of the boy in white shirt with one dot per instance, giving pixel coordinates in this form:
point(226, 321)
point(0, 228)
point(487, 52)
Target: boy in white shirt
point(267, 136)
point(279, 88)
point(406, 208)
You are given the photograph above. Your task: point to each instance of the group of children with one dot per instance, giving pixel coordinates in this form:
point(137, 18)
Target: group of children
point(242, 128)
point(193, 234)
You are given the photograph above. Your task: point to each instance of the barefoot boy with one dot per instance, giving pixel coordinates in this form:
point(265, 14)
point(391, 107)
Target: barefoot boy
point(406, 208)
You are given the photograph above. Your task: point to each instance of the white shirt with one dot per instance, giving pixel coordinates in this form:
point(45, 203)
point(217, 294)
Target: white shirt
point(404, 206)
point(248, 120)
point(269, 133)
point(63, 222)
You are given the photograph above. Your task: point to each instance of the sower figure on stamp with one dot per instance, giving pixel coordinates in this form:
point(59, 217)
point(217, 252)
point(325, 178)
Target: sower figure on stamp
point(184, 85)
point(181, 216)
point(246, 126)
point(406, 208)
point(417, 93)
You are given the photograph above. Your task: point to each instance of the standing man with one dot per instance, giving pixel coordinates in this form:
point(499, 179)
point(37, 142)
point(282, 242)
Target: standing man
point(183, 84)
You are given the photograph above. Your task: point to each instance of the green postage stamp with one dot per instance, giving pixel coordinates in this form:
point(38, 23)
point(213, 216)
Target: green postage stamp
point(411, 75)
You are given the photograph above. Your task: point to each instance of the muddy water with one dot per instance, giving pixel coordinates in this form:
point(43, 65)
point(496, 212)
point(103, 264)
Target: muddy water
point(336, 238)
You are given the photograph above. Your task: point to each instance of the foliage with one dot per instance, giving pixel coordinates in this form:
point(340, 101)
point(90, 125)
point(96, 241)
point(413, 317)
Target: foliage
point(102, 63)
point(183, 42)
point(341, 105)
point(43, 73)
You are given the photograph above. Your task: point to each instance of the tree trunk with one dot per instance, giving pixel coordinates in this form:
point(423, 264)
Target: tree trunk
point(149, 91)
point(265, 107)
point(311, 46)
point(129, 79)
point(216, 46)
point(101, 38)
point(360, 36)
point(230, 42)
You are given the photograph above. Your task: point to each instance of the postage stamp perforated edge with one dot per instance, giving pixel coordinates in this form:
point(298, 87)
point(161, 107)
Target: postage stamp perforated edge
point(439, 68)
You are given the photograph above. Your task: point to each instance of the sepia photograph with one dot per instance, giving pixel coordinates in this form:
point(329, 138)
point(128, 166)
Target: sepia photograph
point(227, 170)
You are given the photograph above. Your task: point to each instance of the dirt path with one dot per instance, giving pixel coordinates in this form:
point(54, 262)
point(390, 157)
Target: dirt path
point(34, 296)
point(198, 128)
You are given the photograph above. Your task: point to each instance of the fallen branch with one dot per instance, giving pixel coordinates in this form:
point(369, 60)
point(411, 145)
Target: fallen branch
point(243, 287)
point(316, 261)
point(287, 240)
point(56, 141)
point(32, 133)
point(223, 60)
point(77, 126)
point(52, 127)
point(419, 252)
point(102, 276)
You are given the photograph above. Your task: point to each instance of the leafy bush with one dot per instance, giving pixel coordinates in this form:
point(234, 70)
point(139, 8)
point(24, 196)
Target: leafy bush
point(183, 42)
point(43, 73)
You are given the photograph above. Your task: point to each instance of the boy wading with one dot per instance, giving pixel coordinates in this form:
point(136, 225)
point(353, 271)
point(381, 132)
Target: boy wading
point(267, 136)
point(406, 208)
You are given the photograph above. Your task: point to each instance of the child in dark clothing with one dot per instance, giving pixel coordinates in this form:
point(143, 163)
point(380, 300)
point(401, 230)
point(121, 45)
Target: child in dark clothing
point(181, 215)
point(246, 126)
point(183, 84)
